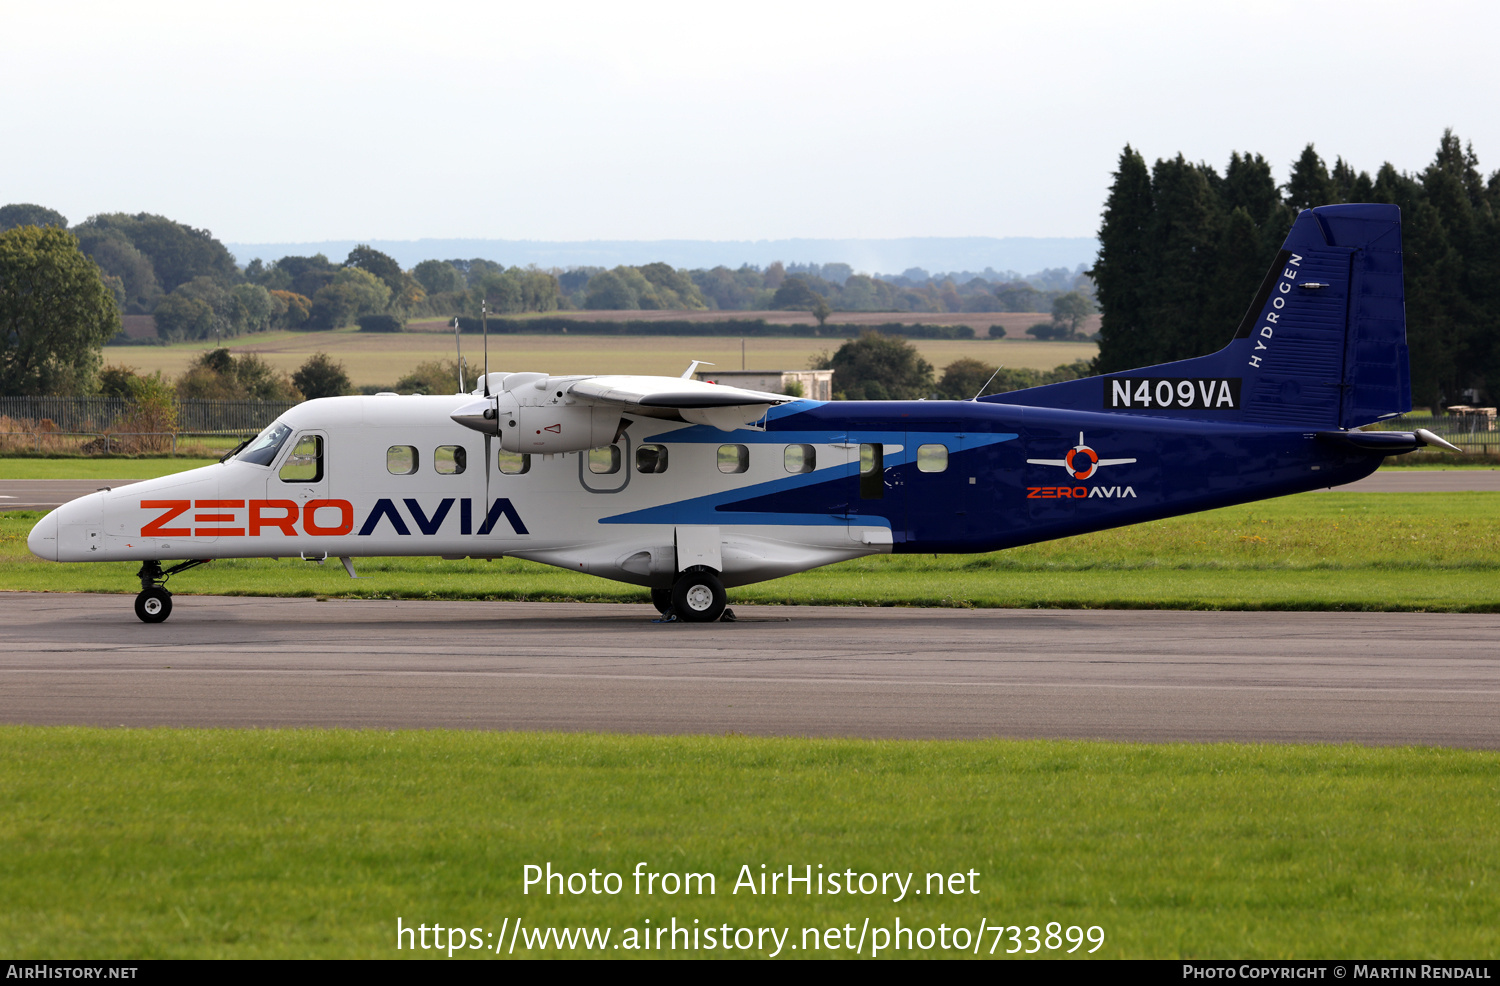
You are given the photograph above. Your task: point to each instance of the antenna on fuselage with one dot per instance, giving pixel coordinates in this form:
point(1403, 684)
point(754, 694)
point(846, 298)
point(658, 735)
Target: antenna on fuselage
point(988, 382)
point(458, 349)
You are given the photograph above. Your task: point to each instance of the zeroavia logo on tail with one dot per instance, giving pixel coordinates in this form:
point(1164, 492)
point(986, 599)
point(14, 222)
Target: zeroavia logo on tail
point(1081, 463)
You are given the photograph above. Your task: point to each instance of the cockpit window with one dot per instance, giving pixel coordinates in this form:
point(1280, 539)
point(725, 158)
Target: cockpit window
point(305, 464)
point(263, 450)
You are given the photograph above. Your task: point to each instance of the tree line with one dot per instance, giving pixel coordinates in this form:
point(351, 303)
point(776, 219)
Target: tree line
point(1183, 249)
point(143, 264)
point(807, 286)
point(880, 367)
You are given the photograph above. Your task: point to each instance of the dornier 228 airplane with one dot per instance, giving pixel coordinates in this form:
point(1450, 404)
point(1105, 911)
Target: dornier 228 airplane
point(687, 487)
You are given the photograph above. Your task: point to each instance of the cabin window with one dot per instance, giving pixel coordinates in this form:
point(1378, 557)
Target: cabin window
point(401, 460)
point(513, 463)
point(604, 461)
point(263, 450)
point(305, 464)
point(733, 458)
point(800, 458)
point(651, 458)
point(871, 471)
point(450, 460)
point(932, 458)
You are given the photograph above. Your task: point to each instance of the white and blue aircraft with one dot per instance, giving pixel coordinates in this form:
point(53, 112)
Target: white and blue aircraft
point(687, 487)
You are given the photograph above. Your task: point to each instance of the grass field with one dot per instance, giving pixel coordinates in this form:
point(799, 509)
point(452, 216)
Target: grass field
point(1435, 552)
point(377, 358)
point(82, 467)
point(192, 843)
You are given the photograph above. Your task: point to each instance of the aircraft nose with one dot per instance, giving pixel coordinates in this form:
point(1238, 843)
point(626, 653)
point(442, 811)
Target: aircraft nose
point(42, 541)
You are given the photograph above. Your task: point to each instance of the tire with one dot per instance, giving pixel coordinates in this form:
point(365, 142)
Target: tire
point(153, 605)
point(698, 597)
point(662, 600)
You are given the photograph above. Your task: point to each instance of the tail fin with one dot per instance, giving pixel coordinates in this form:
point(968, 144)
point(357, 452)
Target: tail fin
point(1323, 344)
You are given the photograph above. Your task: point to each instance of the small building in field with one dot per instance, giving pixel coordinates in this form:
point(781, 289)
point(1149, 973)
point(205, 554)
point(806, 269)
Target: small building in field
point(814, 384)
point(1473, 418)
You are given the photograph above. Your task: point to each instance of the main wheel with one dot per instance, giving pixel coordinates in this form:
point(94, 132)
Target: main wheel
point(698, 597)
point(153, 605)
point(662, 600)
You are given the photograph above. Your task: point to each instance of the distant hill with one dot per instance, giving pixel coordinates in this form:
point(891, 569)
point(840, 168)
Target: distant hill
point(1022, 254)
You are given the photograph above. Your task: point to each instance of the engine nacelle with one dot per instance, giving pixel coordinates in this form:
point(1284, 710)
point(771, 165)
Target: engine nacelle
point(547, 428)
point(532, 413)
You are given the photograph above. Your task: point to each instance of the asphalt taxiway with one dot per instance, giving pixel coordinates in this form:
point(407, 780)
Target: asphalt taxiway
point(1374, 678)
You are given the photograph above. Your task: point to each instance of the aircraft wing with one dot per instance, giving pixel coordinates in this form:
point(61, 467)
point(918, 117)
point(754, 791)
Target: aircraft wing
point(694, 401)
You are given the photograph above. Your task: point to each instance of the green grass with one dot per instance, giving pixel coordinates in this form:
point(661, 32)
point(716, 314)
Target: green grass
point(221, 843)
point(113, 467)
point(1315, 551)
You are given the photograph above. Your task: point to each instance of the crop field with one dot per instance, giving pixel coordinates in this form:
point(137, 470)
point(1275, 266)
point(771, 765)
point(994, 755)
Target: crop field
point(380, 358)
point(1436, 552)
point(311, 843)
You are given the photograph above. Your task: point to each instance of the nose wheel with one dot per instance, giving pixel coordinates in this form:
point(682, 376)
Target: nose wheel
point(153, 605)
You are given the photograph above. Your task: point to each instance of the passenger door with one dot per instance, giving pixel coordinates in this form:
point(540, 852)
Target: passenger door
point(939, 491)
point(877, 491)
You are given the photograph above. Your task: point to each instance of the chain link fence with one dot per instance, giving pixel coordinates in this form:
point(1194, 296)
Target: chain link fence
point(101, 425)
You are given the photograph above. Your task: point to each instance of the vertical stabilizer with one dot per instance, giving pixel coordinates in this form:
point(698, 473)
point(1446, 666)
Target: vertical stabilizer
point(1323, 344)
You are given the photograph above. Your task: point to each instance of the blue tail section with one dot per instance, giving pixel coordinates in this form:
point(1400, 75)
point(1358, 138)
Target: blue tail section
point(1323, 344)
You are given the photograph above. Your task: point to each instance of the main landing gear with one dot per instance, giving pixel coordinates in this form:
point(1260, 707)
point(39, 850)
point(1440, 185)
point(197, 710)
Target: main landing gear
point(154, 604)
point(696, 597)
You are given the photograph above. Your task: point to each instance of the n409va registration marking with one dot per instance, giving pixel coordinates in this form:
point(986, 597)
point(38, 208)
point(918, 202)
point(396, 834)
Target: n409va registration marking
point(320, 518)
point(1184, 393)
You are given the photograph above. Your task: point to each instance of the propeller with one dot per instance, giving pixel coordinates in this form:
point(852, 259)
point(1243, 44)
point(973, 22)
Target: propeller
point(458, 351)
point(493, 409)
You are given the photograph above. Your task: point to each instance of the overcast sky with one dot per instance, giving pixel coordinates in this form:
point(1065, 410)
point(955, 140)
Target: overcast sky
point(310, 120)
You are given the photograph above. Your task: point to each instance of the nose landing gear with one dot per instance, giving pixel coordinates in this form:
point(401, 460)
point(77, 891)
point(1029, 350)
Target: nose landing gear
point(154, 604)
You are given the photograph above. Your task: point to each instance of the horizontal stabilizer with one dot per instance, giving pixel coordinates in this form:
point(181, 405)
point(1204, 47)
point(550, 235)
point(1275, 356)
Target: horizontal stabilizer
point(1387, 442)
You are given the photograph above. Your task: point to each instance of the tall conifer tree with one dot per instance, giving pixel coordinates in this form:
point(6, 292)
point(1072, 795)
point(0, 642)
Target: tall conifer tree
point(1123, 268)
point(1310, 185)
point(1184, 233)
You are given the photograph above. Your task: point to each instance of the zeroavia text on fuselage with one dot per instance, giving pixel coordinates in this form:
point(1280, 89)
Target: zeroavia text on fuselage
point(687, 487)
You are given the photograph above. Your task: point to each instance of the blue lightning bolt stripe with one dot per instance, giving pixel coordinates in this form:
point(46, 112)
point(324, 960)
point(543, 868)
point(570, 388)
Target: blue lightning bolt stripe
point(719, 508)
